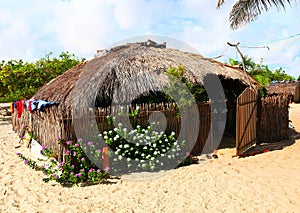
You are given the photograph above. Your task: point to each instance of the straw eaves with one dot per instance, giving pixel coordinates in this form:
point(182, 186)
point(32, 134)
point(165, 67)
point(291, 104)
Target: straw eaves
point(135, 68)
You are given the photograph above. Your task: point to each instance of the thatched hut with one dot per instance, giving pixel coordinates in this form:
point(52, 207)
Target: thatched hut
point(134, 62)
point(291, 88)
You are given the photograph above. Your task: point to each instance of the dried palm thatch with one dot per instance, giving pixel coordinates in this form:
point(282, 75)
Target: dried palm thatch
point(132, 67)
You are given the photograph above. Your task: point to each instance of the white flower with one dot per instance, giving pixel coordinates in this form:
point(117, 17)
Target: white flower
point(104, 132)
point(148, 138)
point(120, 157)
point(120, 146)
point(155, 153)
point(145, 148)
point(125, 129)
point(128, 159)
point(137, 144)
point(115, 129)
point(154, 145)
point(169, 156)
point(126, 146)
point(173, 133)
point(105, 137)
point(110, 132)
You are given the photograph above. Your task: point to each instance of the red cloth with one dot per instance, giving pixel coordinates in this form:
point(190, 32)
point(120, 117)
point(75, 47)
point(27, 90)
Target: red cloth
point(20, 107)
point(29, 105)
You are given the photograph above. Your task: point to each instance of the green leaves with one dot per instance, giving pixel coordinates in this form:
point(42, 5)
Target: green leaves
point(262, 73)
point(19, 79)
point(245, 11)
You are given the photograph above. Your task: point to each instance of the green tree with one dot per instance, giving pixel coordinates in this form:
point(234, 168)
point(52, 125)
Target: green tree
point(262, 73)
point(245, 11)
point(19, 79)
point(298, 78)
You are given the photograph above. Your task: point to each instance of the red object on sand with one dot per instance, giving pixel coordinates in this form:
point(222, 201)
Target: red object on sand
point(105, 159)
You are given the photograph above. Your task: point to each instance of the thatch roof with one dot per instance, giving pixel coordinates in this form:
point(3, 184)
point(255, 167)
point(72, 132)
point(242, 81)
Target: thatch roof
point(144, 65)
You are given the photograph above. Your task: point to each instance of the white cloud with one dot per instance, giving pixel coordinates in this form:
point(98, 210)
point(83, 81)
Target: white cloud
point(32, 28)
point(81, 26)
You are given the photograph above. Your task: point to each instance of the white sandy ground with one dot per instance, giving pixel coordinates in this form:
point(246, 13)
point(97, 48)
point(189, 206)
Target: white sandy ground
point(268, 182)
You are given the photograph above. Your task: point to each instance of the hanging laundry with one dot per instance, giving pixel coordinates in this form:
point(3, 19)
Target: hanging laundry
point(29, 104)
point(41, 105)
point(20, 107)
point(11, 107)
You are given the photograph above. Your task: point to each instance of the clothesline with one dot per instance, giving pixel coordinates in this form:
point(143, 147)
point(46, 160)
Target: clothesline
point(30, 105)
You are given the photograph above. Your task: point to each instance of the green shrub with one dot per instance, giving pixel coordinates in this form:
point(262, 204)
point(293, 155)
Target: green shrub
point(21, 80)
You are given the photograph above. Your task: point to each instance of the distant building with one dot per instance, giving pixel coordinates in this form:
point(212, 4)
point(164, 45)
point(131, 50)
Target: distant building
point(286, 87)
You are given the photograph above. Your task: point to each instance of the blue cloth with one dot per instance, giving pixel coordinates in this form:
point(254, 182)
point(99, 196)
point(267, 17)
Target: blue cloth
point(41, 105)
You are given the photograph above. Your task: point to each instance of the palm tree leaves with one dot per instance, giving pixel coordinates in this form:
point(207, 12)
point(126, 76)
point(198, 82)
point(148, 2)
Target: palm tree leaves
point(220, 2)
point(245, 11)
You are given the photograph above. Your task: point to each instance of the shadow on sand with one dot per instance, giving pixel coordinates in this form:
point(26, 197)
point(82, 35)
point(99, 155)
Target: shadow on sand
point(278, 145)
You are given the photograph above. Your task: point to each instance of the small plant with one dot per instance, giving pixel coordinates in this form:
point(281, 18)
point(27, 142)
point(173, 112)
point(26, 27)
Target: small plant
point(32, 164)
point(76, 168)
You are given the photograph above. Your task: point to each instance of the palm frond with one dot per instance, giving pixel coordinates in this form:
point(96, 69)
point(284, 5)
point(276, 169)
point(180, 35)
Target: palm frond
point(220, 3)
point(245, 11)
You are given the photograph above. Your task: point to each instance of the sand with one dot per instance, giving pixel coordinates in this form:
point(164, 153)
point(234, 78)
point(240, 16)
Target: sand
point(268, 182)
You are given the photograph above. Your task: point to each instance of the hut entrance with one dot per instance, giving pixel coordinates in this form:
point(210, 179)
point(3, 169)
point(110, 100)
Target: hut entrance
point(246, 115)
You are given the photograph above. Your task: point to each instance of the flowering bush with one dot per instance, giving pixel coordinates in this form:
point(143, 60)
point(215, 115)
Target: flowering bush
point(76, 168)
point(142, 147)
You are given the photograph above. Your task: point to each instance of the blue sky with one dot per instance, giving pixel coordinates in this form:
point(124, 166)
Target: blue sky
point(32, 28)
